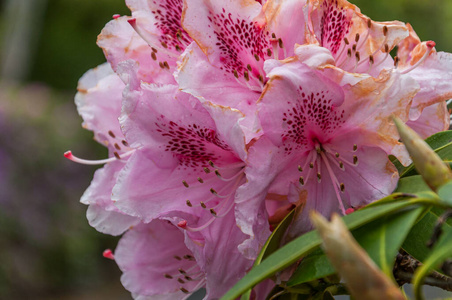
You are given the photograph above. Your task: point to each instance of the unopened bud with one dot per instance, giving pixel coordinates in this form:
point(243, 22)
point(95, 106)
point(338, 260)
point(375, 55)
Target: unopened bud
point(429, 165)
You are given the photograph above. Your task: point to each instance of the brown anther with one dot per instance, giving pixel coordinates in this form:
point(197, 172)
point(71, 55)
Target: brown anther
point(246, 75)
point(396, 61)
point(182, 271)
point(161, 65)
point(355, 159)
point(311, 165)
point(301, 180)
point(355, 147)
point(211, 164)
point(357, 37)
point(165, 63)
point(125, 143)
point(189, 203)
point(261, 79)
point(213, 212)
point(180, 280)
point(177, 257)
point(154, 50)
point(207, 170)
point(371, 59)
point(349, 52)
point(369, 23)
point(184, 290)
point(164, 45)
point(200, 180)
point(117, 147)
point(319, 177)
point(342, 187)
point(185, 183)
point(300, 168)
point(386, 48)
point(188, 278)
point(337, 154)
point(273, 35)
point(178, 49)
point(280, 43)
point(346, 41)
point(354, 47)
point(212, 190)
point(357, 56)
point(110, 133)
point(256, 57)
point(217, 173)
point(236, 75)
point(154, 57)
point(168, 276)
point(248, 66)
point(385, 30)
point(203, 205)
point(116, 155)
point(269, 52)
point(189, 257)
point(341, 165)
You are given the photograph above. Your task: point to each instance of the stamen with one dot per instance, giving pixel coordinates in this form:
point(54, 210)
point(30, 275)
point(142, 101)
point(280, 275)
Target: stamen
point(180, 280)
point(168, 276)
point(355, 160)
point(311, 165)
point(116, 16)
point(357, 38)
point(396, 62)
point(110, 133)
point(301, 180)
point(70, 156)
point(200, 180)
point(185, 184)
point(355, 147)
point(256, 57)
point(319, 177)
point(189, 203)
point(334, 180)
point(430, 46)
point(203, 205)
point(207, 170)
point(184, 290)
point(108, 254)
point(213, 212)
point(300, 169)
point(342, 187)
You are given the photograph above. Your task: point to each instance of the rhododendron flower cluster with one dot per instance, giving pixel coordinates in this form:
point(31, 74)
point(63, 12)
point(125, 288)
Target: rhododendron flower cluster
point(222, 116)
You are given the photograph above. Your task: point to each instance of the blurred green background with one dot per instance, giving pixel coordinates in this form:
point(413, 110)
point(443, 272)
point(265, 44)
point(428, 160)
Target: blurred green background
point(47, 249)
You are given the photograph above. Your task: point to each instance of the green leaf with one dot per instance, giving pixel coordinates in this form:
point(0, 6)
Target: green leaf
point(381, 239)
point(420, 234)
point(412, 184)
point(445, 193)
point(274, 241)
point(440, 142)
point(272, 244)
point(304, 244)
point(441, 251)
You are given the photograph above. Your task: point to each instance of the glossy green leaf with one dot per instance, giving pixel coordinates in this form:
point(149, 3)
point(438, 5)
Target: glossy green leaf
point(412, 184)
point(274, 241)
point(306, 243)
point(440, 142)
point(271, 245)
point(420, 234)
point(381, 239)
point(445, 193)
point(440, 252)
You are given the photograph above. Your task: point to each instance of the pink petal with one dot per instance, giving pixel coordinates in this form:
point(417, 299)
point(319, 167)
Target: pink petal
point(99, 104)
point(150, 257)
point(120, 42)
point(433, 119)
point(221, 29)
point(196, 76)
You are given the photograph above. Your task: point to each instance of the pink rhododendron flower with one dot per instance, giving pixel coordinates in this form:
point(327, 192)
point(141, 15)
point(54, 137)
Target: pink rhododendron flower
point(330, 140)
point(234, 111)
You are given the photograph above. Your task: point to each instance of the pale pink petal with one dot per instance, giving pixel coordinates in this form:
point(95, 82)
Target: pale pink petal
point(159, 23)
point(98, 102)
point(150, 256)
point(232, 34)
point(196, 76)
point(433, 119)
point(183, 155)
point(120, 42)
point(102, 214)
point(286, 19)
